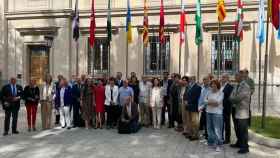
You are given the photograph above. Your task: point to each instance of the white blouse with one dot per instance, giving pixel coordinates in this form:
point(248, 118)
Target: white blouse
point(217, 97)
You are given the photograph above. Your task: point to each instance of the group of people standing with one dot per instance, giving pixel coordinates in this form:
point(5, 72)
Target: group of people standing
point(131, 103)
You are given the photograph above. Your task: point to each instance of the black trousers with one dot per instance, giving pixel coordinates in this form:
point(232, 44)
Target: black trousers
point(110, 115)
point(166, 105)
point(227, 125)
point(234, 120)
point(76, 114)
point(12, 112)
point(117, 110)
point(176, 116)
point(242, 133)
point(203, 123)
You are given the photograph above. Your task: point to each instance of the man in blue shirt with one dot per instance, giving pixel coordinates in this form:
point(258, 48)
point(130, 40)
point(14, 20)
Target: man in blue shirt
point(11, 95)
point(124, 92)
point(202, 106)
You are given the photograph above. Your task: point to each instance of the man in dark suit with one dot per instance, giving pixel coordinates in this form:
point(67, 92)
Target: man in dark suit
point(191, 98)
point(119, 81)
point(166, 84)
point(57, 87)
point(175, 100)
point(76, 94)
point(11, 95)
point(227, 89)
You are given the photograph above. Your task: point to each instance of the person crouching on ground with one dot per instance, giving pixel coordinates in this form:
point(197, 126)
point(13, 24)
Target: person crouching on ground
point(129, 122)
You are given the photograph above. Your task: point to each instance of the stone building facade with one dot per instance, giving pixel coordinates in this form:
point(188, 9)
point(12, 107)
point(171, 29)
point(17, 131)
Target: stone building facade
point(36, 38)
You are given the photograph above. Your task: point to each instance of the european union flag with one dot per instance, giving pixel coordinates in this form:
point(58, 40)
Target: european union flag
point(261, 29)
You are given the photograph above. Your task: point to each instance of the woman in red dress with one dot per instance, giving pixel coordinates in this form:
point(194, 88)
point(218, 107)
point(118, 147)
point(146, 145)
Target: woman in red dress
point(99, 102)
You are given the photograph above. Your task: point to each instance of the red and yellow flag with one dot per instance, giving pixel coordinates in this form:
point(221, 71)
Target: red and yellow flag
point(161, 24)
point(221, 10)
point(145, 25)
point(273, 10)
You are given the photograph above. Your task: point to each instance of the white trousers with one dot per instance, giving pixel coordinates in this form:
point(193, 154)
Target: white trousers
point(65, 116)
point(157, 117)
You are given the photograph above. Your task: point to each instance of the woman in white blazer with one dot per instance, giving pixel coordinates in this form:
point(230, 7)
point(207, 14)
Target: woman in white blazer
point(111, 102)
point(156, 103)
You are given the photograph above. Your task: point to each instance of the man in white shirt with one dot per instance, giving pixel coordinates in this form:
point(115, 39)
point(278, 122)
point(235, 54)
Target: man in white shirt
point(144, 99)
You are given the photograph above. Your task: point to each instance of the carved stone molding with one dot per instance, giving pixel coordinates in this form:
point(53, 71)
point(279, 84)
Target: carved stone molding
point(51, 31)
point(99, 30)
point(225, 27)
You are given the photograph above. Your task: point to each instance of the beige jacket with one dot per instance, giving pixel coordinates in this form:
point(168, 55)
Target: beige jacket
point(240, 99)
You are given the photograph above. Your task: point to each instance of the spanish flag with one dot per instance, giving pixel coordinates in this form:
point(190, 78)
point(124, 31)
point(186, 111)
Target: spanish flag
point(128, 23)
point(273, 10)
point(221, 11)
point(145, 25)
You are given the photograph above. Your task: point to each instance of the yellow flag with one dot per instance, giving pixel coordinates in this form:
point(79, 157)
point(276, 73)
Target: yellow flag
point(269, 3)
point(221, 11)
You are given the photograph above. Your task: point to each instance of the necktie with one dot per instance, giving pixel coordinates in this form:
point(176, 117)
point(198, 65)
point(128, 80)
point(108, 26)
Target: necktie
point(14, 90)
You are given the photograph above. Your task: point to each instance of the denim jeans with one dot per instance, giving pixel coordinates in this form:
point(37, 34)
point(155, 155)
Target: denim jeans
point(215, 129)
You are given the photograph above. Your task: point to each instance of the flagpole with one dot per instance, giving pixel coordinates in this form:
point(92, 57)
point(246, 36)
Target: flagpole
point(92, 58)
point(109, 58)
point(180, 54)
point(77, 58)
point(126, 62)
point(198, 65)
point(219, 50)
point(265, 73)
point(260, 69)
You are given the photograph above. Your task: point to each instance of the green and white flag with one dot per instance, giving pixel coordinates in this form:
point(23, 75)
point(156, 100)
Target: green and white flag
point(198, 33)
point(109, 24)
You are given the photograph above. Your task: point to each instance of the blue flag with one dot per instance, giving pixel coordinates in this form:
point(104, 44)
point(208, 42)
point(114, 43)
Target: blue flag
point(279, 28)
point(278, 34)
point(261, 29)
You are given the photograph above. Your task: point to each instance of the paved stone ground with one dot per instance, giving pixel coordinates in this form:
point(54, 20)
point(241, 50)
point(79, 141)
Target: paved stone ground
point(148, 143)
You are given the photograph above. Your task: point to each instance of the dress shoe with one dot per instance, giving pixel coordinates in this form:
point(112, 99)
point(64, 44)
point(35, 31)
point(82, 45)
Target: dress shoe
point(29, 129)
point(15, 132)
point(34, 129)
point(243, 151)
point(5, 133)
point(68, 128)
